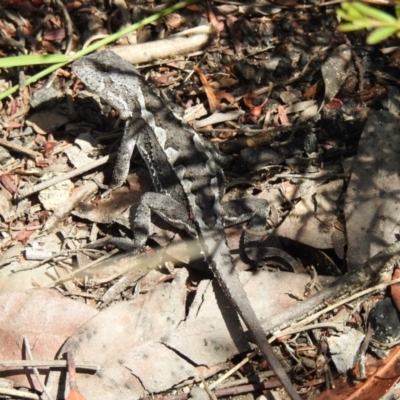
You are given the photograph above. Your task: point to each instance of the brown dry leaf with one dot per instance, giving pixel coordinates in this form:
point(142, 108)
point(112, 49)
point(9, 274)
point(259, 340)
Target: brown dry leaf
point(334, 72)
point(395, 289)
point(248, 99)
point(124, 334)
point(282, 116)
point(24, 4)
point(7, 181)
point(375, 386)
point(6, 208)
point(372, 199)
point(310, 93)
point(229, 97)
point(218, 26)
point(24, 235)
point(150, 344)
point(46, 318)
point(74, 393)
point(211, 97)
point(224, 82)
point(54, 34)
point(335, 104)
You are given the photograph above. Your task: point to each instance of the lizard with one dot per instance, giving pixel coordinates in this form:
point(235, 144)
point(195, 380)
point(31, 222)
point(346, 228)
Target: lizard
point(187, 180)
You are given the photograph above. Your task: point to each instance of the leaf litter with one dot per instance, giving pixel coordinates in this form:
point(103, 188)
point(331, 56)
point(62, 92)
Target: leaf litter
point(307, 208)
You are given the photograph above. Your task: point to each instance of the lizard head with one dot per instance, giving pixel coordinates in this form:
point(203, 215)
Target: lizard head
point(107, 74)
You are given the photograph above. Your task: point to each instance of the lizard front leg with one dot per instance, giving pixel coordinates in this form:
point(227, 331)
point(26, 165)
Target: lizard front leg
point(135, 128)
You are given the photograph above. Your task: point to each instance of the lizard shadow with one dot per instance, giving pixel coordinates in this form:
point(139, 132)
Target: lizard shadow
point(232, 321)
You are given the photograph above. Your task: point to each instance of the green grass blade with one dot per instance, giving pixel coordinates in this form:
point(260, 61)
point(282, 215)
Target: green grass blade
point(350, 27)
point(349, 13)
point(373, 12)
point(381, 34)
point(23, 61)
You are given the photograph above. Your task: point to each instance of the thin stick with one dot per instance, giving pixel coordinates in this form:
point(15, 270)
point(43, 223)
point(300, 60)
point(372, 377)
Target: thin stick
point(45, 364)
point(57, 179)
point(35, 370)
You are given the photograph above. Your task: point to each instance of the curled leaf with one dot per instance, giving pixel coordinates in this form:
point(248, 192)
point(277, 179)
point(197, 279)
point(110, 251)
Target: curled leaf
point(334, 72)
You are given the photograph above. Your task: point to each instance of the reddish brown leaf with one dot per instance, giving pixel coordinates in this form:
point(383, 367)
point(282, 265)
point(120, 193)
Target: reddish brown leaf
point(7, 181)
point(218, 27)
point(230, 71)
point(226, 81)
point(225, 96)
point(382, 381)
point(46, 318)
point(256, 112)
point(310, 92)
point(24, 235)
point(335, 104)
point(13, 125)
point(23, 4)
point(248, 99)
point(194, 7)
point(56, 34)
point(212, 98)
point(44, 216)
point(74, 393)
point(283, 116)
point(73, 5)
point(40, 140)
point(48, 148)
point(395, 289)
point(49, 47)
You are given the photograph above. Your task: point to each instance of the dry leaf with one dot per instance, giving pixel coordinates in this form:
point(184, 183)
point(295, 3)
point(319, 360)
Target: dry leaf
point(46, 318)
point(334, 72)
point(395, 289)
point(149, 344)
point(372, 198)
point(212, 98)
